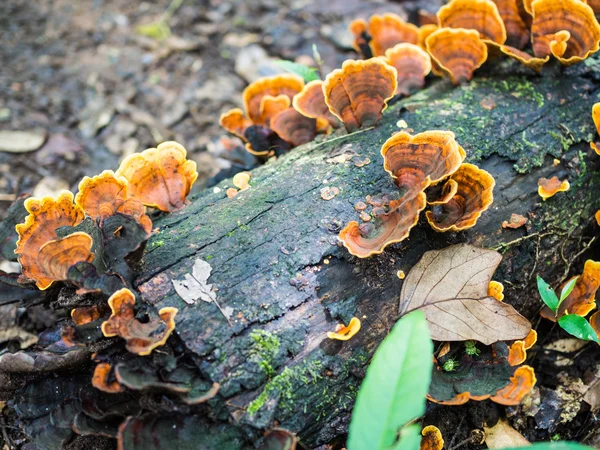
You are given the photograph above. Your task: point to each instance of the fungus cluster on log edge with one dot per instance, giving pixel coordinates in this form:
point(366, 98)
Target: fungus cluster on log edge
point(92, 239)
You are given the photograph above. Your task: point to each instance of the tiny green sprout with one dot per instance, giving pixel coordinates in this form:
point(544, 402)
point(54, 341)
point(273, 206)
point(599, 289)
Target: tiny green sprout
point(555, 438)
point(471, 348)
point(451, 365)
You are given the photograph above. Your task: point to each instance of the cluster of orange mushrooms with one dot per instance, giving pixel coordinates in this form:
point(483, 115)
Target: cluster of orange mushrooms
point(160, 178)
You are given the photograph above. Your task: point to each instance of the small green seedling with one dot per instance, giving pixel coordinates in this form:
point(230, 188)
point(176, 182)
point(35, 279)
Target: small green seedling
point(471, 348)
point(451, 365)
point(307, 73)
point(571, 323)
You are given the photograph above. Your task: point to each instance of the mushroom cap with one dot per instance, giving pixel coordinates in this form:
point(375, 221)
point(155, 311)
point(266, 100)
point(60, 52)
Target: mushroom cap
point(160, 177)
point(441, 193)
point(496, 290)
point(141, 338)
point(582, 298)
point(424, 32)
point(293, 127)
point(432, 438)
point(310, 102)
point(521, 384)
point(473, 196)
point(549, 187)
point(86, 314)
point(283, 84)
point(479, 15)
point(568, 29)
point(344, 333)
point(415, 162)
point(235, 122)
point(270, 106)
point(517, 31)
point(412, 63)
point(388, 30)
point(531, 339)
point(241, 180)
point(394, 226)
point(524, 58)
point(357, 93)
point(106, 194)
point(56, 256)
point(596, 116)
point(457, 51)
point(45, 216)
point(460, 399)
point(359, 28)
point(100, 379)
point(517, 354)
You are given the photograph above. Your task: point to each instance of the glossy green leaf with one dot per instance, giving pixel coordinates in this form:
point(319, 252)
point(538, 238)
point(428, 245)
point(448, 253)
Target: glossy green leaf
point(567, 289)
point(307, 73)
point(394, 389)
point(410, 438)
point(579, 327)
point(547, 293)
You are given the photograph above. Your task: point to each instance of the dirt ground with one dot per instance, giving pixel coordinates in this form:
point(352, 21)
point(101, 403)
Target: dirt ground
point(82, 75)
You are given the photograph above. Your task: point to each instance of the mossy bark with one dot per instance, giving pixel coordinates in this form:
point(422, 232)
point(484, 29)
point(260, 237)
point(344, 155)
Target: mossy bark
point(277, 263)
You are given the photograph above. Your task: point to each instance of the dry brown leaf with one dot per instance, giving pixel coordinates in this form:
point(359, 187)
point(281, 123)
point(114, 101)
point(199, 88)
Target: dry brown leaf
point(592, 396)
point(450, 286)
point(502, 435)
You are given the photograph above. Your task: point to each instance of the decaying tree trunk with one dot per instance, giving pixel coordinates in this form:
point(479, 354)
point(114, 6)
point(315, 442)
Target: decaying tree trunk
point(278, 266)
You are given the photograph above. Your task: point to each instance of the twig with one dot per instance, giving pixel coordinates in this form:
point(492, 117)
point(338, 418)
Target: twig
point(5, 435)
point(516, 241)
point(537, 256)
point(574, 257)
point(462, 419)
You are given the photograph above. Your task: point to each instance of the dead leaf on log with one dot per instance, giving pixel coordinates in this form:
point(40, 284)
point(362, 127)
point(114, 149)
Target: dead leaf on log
point(450, 286)
point(502, 435)
point(195, 286)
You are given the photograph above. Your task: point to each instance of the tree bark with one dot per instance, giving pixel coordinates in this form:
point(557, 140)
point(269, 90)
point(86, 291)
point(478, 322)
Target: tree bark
point(277, 263)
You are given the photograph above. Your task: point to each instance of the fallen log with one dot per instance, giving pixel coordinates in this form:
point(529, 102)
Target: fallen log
point(286, 280)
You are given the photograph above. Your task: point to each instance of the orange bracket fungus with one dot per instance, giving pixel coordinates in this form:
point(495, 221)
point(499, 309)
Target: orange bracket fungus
point(414, 162)
point(357, 93)
point(457, 51)
point(549, 187)
point(496, 290)
point(521, 384)
point(56, 256)
point(412, 63)
point(479, 15)
point(582, 298)
point(359, 29)
point(515, 221)
point(269, 125)
point(344, 333)
point(106, 194)
point(381, 33)
point(567, 29)
point(104, 379)
point(487, 375)
point(596, 118)
point(45, 216)
point(432, 438)
point(518, 350)
point(241, 181)
point(310, 102)
point(517, 31)
point(524, 58)
point(141, 337)
point(160, 177)
point(473, 196)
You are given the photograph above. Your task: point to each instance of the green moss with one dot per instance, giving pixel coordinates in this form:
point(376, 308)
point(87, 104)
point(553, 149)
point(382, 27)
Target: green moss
point(157, 243)
point(282, 385)
point(265, 347)
point(564, 141)
point(523, 88)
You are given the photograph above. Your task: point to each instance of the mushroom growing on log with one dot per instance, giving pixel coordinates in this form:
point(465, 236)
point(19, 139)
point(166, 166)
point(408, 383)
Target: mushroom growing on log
point(284, 277)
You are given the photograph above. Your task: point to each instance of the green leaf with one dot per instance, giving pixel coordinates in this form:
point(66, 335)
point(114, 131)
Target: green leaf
point(158, 30)
point(578, 327)
point(394, 389)
point(548, 295)
point(560, 445)
point(410, 438)
point(308, 73)
point(567, 289)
